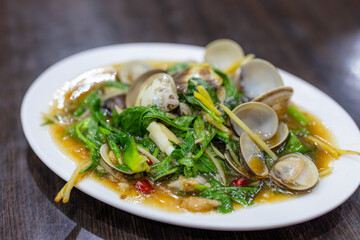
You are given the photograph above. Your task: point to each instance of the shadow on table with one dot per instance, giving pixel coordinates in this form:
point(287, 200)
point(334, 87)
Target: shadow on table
point(107, 222)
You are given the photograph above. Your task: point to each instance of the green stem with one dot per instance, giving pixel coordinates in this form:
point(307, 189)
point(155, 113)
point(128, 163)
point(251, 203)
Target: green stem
point(212, 114)
point(293, 112)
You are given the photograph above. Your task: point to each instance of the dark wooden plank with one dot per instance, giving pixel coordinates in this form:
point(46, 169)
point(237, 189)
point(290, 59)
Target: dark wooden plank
point(316, 40)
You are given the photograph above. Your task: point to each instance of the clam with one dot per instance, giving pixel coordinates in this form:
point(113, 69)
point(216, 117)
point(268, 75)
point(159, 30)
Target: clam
point(279, 137)
point(132, 70)
point(236, 165)
point(137, 85)
point(295, 171)
point(259, 117)
point(184, 109)
point(223, 53)
point(278, 99)
point(253, 157)
point(258, 77)
point(153, 88)
point(110, 159)
point(201, 70)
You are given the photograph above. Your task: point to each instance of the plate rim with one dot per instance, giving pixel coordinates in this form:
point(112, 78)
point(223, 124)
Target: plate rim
point(83, 186)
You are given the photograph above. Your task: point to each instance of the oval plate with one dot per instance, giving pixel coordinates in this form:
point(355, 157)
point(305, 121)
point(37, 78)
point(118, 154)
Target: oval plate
point(329, 194)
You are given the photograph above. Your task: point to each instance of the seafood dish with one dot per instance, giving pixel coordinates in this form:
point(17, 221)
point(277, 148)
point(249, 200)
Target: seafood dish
point(215, 135)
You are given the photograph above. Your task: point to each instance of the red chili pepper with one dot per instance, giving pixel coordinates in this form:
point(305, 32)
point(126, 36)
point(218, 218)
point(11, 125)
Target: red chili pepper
point(149, 162)
point(240, 182)
point(144, 186)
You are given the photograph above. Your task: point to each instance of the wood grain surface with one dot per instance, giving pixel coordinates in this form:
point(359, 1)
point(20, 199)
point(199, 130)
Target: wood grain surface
point(318, 41)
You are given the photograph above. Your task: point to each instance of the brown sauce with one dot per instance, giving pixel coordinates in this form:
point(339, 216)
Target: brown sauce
point(162, 197)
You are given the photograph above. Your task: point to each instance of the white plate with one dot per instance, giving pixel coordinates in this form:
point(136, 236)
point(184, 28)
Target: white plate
point(330, 193)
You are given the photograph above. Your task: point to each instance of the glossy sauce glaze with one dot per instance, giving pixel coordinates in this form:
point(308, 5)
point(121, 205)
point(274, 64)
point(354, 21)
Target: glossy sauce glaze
point(162, 197)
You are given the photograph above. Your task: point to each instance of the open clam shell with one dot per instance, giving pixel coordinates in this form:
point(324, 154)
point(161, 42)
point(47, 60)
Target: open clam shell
point(295, 172)
point(130, 71)
point(110, 159)
point(280, 136)
point(278, 99)
point(258, 77)
point(237, 166)
point(153, 88)
point(253, 157)
point(223, 53)
point(259, 117)
point(199, 70)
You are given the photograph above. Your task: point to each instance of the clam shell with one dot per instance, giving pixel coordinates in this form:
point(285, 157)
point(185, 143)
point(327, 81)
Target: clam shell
point(278, 99)
point(130, 71)
point(259, 117)
point(258, 77)
point(279, 137)
point(105, 152)
point(223, 53)
point(160, 90)
point(295, 172)
point(236, 165)
point(253, 157)
point(135, 88)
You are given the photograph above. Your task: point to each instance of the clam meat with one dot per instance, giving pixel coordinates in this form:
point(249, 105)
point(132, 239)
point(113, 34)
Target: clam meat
point(158, 89)
point(295, 171)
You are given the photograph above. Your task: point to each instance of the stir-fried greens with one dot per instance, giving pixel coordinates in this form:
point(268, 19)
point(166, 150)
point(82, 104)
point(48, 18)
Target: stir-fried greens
point(209, 132)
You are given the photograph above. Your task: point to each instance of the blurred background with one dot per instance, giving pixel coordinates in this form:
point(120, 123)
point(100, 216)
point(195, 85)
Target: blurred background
point(319, 41)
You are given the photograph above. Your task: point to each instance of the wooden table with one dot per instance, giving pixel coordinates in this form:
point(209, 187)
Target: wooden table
point(318, 41)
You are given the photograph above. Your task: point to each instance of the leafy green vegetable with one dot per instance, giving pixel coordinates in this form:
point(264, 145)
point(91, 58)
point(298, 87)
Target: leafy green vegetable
point(136, 119)
point(187, 161)
point(46, 123)
point(184, 120)
point(199, 127)
point(193, 82)
point(132, 158)
point(212, 114)
point(117, 84)
point(221, 196)
point(113, 146)
point(162, 169)
point(148, 144)
point(85, 131)
point(80, 129)
point(178, 67)
point(205, 131)
point(123, 168)
point(301, 132)
point(233, 97)
point(193, 101)
point(225, 195)
point(155, 113)
point(293, 112)
point(92, 101)
point(130, 120)
point(205, 165)
point(156, 152)
point(188, 145)
point(294, 145)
